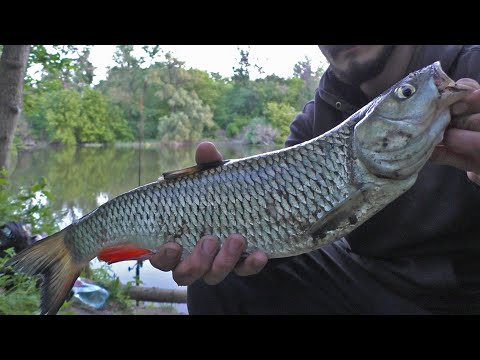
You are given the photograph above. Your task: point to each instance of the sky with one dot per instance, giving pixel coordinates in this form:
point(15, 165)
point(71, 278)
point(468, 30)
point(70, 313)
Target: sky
point(275, 59)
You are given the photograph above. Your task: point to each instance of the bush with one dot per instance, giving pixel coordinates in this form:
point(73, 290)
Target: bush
point(28, 205)
point(258, 132)
point(18, 292)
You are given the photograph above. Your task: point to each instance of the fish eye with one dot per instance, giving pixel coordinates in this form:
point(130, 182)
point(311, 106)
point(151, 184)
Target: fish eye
point(405, 91)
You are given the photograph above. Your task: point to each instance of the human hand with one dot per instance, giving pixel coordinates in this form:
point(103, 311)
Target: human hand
point(208, 260)
point(461, 143)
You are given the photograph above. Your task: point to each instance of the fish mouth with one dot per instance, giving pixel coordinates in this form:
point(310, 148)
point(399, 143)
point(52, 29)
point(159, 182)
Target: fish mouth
point(449, 90)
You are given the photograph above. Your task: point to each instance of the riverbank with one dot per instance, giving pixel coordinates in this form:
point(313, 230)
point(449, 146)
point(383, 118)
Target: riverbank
point(111, 308)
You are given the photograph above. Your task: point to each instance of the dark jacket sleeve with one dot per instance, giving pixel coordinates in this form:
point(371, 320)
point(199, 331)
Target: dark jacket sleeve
point(468, 63)
point(301, 129)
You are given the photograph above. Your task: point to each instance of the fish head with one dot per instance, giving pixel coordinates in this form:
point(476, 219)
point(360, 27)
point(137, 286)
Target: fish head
point(402, 126)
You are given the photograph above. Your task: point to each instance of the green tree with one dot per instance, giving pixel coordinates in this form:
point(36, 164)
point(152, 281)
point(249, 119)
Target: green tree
point(280, 115)
point(64, 116)
point(83, 70)
point(124, 57)
point(241, 73)
point(128, 83)
point(75, 118)
point(52, 68)
point(303, 70)
point(189, 119)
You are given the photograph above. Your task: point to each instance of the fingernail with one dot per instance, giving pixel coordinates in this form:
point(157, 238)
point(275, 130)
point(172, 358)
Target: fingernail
point(209, 246)
point(459, 108)
point(234, 245)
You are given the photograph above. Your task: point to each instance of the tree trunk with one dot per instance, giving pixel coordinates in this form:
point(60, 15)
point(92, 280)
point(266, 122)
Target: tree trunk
point(13, 63)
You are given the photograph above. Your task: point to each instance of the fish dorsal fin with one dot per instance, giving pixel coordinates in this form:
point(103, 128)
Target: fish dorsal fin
point(192, 170)
point(345, 210)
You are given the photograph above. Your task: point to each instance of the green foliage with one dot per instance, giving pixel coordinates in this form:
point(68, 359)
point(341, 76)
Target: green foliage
point(63, 116)
point(189, 119)
point(124, 57)
point(242, 71)
point(29, 205)
point(55, 64)
point(303, 70)
point(259, 132)
point(190, 102)
point(238, 122)
point(18, 293)
point(86, 117)
point(280, 116)
point(245, 101)
point(117, 123)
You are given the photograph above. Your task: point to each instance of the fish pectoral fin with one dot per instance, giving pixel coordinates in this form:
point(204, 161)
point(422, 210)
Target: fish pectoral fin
point(344, 211)
point(192, 169)
point(113, 254)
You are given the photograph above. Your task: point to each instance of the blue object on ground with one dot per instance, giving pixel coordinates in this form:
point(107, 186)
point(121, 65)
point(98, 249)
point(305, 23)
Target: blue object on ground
point(90, 294)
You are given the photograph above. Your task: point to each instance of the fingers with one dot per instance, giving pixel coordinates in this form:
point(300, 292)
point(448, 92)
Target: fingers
point(167, 256)
point(198, 263)
point(469, 105)
point(461, 149)
point(226, 259)
point(253, 264)
point(463, 142)
point(206, 153)
point(445, 156)
point(207, 261)
point(467, 83)
point(467, 122)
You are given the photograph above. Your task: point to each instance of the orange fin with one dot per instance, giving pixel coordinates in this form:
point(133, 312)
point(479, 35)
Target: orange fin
point(192, 170)
point(123, 252)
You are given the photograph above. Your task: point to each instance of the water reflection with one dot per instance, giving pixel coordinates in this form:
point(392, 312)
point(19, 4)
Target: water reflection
point(83, 178)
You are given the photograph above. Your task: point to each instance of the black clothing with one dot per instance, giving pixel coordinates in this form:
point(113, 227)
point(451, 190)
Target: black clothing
point(420, 254)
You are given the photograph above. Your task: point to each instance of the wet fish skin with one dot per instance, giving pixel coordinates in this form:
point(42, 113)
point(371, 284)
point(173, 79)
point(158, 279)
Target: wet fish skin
point(284, 203)
point(272, 199)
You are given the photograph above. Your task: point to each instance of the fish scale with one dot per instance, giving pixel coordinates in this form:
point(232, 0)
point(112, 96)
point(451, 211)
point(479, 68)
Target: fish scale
point(221, 214)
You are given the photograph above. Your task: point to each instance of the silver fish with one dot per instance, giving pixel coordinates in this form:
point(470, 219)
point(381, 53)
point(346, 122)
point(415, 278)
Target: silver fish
point(285, 202)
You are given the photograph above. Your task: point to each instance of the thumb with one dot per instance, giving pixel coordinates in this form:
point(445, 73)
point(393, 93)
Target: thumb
point(207, 153)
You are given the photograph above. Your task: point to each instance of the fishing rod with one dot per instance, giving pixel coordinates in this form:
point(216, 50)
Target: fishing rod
point(139, 263)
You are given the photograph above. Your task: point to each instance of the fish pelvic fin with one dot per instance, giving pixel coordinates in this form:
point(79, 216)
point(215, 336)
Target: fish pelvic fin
point(51, 260)
point(116, 253)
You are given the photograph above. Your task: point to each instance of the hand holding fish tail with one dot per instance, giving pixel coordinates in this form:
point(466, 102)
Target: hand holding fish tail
point(208, 260)
point(461, 145)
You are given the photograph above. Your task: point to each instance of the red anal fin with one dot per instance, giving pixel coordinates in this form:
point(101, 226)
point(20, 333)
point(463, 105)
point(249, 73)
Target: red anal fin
point(123, 252)
point(192, 170)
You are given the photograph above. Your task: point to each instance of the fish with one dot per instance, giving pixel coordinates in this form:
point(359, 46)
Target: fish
point(284, 202)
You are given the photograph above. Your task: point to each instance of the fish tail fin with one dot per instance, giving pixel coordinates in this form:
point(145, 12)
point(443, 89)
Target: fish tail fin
point(50, 259)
